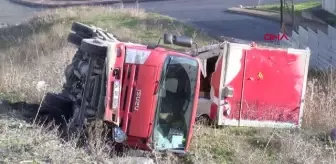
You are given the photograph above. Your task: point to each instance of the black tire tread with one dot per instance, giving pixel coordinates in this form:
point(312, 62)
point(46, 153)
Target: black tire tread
point(75, 39)
point(82, 29)
point(92, 48)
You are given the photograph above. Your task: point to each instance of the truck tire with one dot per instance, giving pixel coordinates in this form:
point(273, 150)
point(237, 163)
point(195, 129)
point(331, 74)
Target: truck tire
point(71, 75)
point(82, 29)
point(75, 39)
point(57, 107)
point(203, 119)
point(95, 47)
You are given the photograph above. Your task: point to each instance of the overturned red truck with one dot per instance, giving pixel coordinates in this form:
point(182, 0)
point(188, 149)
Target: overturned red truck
point(150, 96)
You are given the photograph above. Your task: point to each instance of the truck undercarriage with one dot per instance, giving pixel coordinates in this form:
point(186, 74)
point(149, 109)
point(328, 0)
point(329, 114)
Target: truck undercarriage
point(82, 99)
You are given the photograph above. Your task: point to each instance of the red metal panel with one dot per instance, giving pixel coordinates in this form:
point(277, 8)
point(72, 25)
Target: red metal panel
point(272, 86)
point(142, 117)
point(236, 82)
point(109, 112)
point(129, 83)
point(124, 86)
point(215, 82)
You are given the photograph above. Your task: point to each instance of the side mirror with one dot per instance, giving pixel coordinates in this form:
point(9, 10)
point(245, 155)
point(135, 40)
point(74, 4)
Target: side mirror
point(183, 41)
point(168, 39)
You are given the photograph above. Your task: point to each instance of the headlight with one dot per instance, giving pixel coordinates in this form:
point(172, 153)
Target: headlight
point(118, 135)
point(116, 94)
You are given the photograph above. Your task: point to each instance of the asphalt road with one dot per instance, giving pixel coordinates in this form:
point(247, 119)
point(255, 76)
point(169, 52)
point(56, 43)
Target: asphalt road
point(207, 15)
point(210, 16)
point(12, 13)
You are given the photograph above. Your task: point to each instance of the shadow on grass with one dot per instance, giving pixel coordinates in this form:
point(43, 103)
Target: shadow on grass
point(48, 114)
point(29, 112)
point(55, 114)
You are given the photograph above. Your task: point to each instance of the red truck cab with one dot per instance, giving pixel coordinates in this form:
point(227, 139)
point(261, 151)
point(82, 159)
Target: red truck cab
point(154, 99)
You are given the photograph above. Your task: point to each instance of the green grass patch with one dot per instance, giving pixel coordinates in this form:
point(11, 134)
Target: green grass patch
point(331, 20)
point(298, 8)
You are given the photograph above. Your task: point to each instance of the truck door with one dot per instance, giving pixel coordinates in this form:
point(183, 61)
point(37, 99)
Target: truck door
point(273, 87)
point(227, 84)
point(259, 86)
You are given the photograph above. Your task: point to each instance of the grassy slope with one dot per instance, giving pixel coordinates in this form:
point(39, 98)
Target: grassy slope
point(298, 8)
point(38, 51)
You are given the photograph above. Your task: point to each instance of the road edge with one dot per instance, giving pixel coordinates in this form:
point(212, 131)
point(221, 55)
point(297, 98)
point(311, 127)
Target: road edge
point(257, 13)
point(67, 4)
point(71, 3)
point(273, 16)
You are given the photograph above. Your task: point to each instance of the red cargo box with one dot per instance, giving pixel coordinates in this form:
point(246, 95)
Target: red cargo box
point(256, 86)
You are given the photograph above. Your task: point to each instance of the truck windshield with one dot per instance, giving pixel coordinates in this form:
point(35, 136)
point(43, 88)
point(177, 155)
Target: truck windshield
point(175, 102)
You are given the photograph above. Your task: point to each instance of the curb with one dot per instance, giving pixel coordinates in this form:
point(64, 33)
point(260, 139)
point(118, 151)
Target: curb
point(312, 17)
point(31, 3)
point(261, 14)
point(66, 4)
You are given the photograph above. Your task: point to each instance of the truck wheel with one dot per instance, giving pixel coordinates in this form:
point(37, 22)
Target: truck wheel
point(75, 39)
point(84, 78)
point(57, 101)
point(72, 75)
point(203, 120)
point(56, 107)
point(94, 46)
point(120, 149)
point(82, 29)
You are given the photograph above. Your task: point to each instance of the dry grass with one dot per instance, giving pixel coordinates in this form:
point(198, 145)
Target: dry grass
point(320, 103)
point(37, 50)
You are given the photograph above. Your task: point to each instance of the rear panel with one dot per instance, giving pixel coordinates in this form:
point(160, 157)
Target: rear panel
point(268, 86)
point(273, 85)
